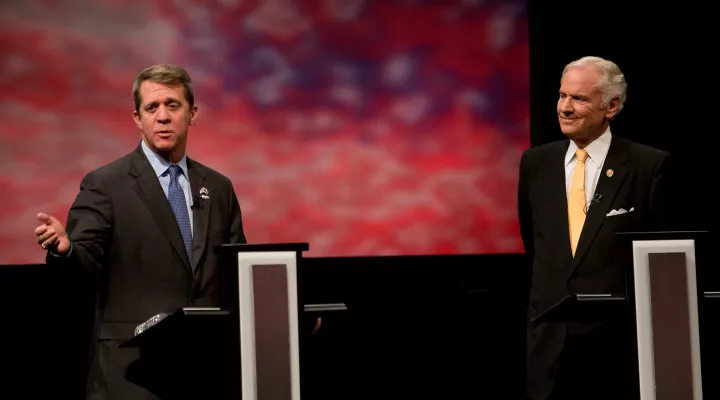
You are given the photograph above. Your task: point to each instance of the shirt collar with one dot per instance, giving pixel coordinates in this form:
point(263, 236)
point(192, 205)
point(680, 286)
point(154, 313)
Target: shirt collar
point(597, 149)
point(159, 164)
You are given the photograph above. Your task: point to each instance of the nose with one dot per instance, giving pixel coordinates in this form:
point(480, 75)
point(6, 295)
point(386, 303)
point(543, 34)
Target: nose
point(162, 115)
point(565, 106)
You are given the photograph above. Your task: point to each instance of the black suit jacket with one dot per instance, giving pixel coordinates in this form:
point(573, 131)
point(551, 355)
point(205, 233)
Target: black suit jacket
point(640, 179)
point(124, 233)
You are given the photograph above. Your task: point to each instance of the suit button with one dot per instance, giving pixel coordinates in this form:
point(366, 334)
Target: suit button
point(572, 280)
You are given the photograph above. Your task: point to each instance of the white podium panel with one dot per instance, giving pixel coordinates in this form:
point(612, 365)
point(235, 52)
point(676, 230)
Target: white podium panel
point(666, 305)
point(268, 313)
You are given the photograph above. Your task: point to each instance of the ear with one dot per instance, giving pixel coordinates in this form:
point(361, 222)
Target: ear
point(193, 114)
point(136, 117)
point(612, 108)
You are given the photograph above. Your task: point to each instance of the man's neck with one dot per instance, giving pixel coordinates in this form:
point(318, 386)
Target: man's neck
point(173, 157)
point(584, 141)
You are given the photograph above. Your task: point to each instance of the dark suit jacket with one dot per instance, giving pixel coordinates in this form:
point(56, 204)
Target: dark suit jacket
point(640, 180)
point(125, 234)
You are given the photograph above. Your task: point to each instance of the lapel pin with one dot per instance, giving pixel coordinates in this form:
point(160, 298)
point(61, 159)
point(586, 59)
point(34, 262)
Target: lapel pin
point(609, 173)
point(204, 193)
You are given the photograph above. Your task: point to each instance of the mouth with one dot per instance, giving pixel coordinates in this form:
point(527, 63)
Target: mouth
point(164, 134)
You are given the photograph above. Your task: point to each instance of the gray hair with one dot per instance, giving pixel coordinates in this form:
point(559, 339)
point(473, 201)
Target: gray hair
point(612, 83)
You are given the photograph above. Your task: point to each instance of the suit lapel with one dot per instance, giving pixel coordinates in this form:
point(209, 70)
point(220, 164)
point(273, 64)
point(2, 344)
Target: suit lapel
point(149, 190)
point(557, 188)
point(201, 212)
point(608, 187)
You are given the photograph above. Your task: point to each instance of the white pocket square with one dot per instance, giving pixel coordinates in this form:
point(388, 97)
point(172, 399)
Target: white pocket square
point(619, 212)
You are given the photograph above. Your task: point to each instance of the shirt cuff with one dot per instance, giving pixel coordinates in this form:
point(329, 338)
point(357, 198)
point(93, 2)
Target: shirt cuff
point(66, 255)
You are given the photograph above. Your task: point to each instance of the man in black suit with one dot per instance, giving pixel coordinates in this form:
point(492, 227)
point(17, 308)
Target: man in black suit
point(145, 227)
point(573, 196)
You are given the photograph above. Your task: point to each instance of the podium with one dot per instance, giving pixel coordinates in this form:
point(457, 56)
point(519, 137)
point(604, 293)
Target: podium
point(662, 304)
point(189, 354)
point(585, 307)
point(664, 301)
point(247, 348)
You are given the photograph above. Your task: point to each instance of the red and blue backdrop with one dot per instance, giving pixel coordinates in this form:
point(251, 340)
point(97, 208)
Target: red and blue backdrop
point(383, 127)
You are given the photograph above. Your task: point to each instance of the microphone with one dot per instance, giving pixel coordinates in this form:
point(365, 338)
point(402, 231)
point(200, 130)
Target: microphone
point(196, 203)
point(595, 200)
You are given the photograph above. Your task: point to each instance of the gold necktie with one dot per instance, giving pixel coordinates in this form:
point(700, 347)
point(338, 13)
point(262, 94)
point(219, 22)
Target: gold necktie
point(577, 200)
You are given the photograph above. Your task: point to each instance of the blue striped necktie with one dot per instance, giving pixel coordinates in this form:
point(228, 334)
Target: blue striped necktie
point(176, 197)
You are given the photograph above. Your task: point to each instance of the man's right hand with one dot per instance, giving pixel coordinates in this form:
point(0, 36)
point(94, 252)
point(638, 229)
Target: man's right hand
point(51, 235)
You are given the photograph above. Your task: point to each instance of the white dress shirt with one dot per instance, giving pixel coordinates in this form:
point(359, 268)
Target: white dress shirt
point(597, 151)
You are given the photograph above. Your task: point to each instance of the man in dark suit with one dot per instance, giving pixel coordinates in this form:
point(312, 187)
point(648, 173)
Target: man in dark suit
point(573, 196)
point(145, 227)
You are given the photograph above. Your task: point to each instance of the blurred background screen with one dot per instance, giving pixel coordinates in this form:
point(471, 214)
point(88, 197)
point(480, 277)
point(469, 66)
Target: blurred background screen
point(383, 127)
